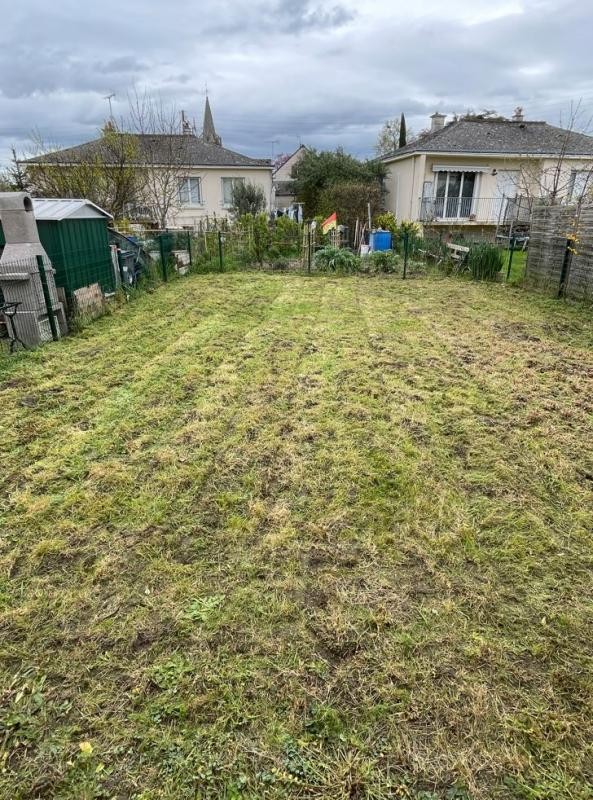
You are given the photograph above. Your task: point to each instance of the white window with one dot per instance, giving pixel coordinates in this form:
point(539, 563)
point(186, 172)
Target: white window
point(454, 194)
point(190, 191)
point(580, 184)
point(228, 185)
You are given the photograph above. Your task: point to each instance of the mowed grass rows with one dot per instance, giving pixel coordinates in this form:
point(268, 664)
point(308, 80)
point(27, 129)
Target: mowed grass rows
point(288, 537)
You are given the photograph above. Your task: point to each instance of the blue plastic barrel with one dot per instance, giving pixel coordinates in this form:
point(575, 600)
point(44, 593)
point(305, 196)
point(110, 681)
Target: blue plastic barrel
point(380, 240)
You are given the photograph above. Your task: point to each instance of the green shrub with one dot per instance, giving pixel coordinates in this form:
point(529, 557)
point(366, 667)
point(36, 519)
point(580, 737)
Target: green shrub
point(485, 261)
point(334, 259)
point(380, 261)
point(387, 222)
point(248, 198)
point(258, 234)
point(276, 258)
point(286, 236)
point(411, 228)
point(350, 201)
point(319, 178)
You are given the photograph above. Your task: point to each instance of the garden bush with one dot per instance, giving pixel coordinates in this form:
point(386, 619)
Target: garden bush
point(286, 236)
point(387, 222)
point(484, 262)
point(248, 198)
point(258, 236)
point(411, 228)
point(380, 261)
point(350, 201)
point(334, 259)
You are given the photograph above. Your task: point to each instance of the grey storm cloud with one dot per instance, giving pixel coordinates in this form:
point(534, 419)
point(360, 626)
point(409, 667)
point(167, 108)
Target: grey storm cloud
point(121, 64)
point(277, 17)
point(281, 72)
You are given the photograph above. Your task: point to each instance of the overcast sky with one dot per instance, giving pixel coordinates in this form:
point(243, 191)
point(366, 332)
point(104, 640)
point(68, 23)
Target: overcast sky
point(325, 73)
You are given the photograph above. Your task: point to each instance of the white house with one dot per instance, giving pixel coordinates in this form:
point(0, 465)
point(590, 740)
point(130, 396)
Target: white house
point(199, 171)
point(212, 170)
point(283, 194)
point(467, 172)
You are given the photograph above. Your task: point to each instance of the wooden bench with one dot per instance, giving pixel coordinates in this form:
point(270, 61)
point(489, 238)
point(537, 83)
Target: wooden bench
point(458, 251)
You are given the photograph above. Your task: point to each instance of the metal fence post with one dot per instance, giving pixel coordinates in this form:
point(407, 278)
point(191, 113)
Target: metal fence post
point(511, 251)
point(189, 246)
point(565, 268)
point(163, 259)
point(406, 245)
point(120, 264)
point(47, 297)
point(220, 260)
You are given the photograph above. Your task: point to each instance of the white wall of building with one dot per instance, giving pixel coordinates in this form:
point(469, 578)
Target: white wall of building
point(404, 186)
point(410, 179)
point(211, 193)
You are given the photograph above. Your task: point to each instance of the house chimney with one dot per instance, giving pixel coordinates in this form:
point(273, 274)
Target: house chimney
point(518, 115)
point(185, 124)
point(437, 122)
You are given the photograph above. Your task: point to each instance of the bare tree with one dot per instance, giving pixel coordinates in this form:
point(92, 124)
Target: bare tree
point(388, 139)
point(136, 163)
point(163, 153)
point(563, 178)
point(104, 172)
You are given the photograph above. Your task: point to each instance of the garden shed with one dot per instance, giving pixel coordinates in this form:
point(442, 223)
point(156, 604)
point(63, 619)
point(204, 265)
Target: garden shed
point(74, 235)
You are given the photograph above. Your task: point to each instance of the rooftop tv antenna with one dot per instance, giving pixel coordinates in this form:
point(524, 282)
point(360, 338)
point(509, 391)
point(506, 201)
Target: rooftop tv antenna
point(273, 142)
point(109, 98)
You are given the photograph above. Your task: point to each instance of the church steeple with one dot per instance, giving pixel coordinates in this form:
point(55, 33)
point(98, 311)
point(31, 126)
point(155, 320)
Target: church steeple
point(209, 134)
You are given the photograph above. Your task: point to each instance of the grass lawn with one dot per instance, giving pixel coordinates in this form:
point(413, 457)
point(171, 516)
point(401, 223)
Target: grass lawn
point(273, 536)
point(518, 265)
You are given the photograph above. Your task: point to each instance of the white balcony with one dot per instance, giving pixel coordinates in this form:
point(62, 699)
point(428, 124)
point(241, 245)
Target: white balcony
point(474, 210)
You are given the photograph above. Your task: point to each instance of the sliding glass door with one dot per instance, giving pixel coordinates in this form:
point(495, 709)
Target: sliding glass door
point(455, 194)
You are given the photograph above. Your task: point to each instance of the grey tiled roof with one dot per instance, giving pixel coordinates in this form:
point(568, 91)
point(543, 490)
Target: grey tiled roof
point(183, 149)
point(500, 136)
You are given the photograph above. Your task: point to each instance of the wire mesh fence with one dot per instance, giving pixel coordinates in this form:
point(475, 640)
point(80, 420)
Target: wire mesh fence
point(287, 245)
point(132, 263)
point(31, 311)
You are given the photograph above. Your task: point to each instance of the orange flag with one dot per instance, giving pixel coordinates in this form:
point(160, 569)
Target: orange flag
point(330, 223)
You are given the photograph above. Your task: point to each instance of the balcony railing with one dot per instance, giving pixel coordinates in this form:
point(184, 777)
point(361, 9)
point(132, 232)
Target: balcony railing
point(485, 210)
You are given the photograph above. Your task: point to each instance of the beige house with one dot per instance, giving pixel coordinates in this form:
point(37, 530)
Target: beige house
point(283, 196)
point(473, 171)
point(206, 187)
point(191, 175)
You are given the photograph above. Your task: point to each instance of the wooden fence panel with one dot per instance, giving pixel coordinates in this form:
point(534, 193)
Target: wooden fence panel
point(551, 230)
